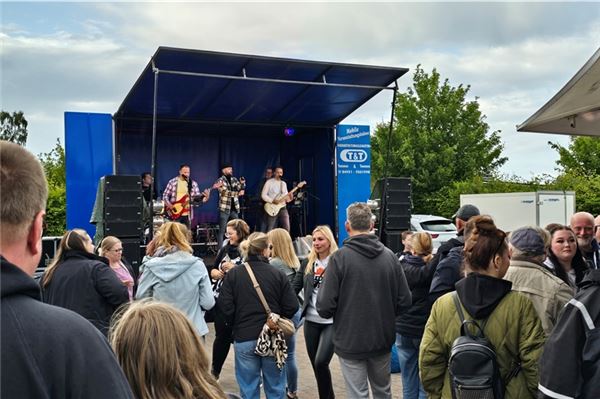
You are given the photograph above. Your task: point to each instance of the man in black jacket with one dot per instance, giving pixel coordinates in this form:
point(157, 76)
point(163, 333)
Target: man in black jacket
point(47, 352)
point(364, 289)
point(447, 262)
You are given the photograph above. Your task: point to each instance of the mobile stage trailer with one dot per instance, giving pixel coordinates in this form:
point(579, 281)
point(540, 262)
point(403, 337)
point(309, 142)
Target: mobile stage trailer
point(203, 108)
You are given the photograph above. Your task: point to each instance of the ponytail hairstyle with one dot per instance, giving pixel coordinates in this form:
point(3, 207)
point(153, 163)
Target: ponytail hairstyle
point(283, 248)
point(76, 240)
point(254, 245)
point(312, 256)
point(422, 245)
point(484, 242)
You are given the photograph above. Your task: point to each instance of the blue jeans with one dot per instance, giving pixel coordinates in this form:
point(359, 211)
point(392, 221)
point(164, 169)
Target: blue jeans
point(408, 357)
point(291, 368)
point(248, 369)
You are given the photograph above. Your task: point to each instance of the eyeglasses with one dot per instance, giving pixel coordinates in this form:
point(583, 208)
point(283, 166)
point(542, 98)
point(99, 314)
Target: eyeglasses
point(117, 249)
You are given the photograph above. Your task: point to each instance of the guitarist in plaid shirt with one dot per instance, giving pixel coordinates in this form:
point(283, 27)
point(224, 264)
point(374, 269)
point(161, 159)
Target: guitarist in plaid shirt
point(177, 188)
point(229, 204)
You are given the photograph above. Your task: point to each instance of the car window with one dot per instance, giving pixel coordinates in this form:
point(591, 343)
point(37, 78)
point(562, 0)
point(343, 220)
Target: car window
point(438, 225)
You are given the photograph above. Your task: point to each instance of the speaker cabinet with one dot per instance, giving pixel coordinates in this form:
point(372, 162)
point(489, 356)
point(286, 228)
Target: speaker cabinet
point(394, 194)
point(123, 206)
point(132, 252)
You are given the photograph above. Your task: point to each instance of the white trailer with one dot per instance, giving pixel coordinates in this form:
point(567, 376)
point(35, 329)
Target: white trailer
point(514, 210)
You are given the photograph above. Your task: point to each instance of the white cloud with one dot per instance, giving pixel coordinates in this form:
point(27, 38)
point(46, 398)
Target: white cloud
point(515, 56)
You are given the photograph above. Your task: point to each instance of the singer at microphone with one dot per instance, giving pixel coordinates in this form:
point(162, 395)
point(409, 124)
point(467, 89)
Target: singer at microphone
point(229, 192)
point(177, 196)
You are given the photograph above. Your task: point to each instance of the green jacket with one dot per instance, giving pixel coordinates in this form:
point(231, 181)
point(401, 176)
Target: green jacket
point(513, 328)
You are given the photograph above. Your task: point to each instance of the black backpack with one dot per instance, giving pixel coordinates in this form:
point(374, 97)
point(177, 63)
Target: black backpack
point(473, 367)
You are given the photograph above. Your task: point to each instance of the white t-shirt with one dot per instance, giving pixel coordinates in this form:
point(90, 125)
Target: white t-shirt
point(311, 311)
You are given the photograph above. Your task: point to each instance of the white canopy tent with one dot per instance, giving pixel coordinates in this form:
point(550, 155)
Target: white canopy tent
point(575, 109)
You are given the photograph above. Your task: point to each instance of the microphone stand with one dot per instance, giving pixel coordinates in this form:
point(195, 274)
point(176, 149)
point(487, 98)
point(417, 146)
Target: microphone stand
point(189, 203)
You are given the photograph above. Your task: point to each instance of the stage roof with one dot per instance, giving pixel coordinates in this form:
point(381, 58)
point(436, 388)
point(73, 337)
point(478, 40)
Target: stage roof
point(575, 109)
point(214, 87)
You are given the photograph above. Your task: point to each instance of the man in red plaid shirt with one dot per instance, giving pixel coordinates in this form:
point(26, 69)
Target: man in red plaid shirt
point(180, 192)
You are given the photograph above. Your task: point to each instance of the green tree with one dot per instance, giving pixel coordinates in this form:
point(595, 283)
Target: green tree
point(54, 168)
point(581, 156)
point(13, 127)
point(438, 138)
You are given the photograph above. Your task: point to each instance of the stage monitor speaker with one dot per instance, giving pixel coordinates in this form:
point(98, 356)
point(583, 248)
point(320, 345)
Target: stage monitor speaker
point(394, 195)
point(123, 206)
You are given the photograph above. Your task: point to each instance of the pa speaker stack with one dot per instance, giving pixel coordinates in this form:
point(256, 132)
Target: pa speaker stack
point(123, 208)
point(393, 214)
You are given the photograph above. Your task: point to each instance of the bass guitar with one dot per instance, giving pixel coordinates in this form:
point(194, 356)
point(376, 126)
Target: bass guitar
point(272, 209)
point(181, 206)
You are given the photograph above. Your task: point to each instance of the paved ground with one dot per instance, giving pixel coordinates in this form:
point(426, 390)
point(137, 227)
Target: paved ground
point(307, 385)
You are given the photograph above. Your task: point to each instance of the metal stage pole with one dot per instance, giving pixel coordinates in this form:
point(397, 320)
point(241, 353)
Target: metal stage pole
point(153, 166)
point(383, 202)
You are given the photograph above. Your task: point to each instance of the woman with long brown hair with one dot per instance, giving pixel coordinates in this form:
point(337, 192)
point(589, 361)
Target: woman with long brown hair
point(506, 318)
point(318, 332)
point(173, 275)
point(83, 282)
point(228, 257)
point(564, 256)
point(161, 354)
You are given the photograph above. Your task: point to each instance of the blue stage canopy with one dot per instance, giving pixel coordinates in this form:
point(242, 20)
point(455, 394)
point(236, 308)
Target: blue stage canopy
point(225, 88)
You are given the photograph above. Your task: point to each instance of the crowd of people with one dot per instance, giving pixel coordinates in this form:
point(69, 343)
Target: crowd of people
point(92, 327)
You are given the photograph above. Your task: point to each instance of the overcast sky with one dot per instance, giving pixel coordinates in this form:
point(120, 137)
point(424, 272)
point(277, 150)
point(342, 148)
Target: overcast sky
point(67, 56)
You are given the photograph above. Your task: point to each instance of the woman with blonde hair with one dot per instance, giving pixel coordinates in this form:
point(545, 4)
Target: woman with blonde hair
point(318, 332)
point(112, 249)
point(161, 353)
point(284, 258)
point(173, 275)
point(83, 282)
point(410, 325)
point(241, 305)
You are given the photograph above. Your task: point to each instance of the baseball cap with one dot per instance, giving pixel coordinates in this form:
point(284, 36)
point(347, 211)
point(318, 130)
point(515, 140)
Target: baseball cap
point(466, 212)
point(528, 240)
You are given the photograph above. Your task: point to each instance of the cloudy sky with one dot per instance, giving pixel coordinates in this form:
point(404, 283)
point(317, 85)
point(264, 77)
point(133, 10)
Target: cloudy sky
point(68, 56)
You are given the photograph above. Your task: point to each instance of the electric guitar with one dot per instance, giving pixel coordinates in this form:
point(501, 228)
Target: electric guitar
point(273, 209)
point(181, 206)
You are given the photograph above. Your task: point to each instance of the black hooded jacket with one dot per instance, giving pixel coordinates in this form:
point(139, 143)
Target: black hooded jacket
point(364, 290)
point(480, 294)
point(50, 352)
point(418, 275)
point(85, 284)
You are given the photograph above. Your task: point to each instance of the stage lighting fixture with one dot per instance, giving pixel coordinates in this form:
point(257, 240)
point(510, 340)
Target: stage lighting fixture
point(289, 131)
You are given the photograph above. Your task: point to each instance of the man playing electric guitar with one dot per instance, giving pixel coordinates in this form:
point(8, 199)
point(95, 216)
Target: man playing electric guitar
point(275, 192)
point(179, 194)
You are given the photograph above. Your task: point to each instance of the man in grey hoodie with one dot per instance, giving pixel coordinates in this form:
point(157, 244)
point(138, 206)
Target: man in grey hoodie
point(364, 289)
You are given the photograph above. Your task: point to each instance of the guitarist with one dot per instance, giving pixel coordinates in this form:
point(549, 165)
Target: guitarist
point(229, 204)
point(275, 192)
point(180, 186)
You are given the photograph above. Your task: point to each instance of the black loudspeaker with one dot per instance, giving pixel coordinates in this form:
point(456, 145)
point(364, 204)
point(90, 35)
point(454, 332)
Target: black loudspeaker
point(132, 252)
point(123, 206)
point(393, 240)
point(394, 195)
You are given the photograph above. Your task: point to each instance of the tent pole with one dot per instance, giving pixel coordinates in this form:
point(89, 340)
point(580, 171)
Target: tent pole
point(153, 166)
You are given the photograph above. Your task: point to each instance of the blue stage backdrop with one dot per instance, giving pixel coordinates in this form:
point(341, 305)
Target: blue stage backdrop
point(89, 156)
point(353, 167)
